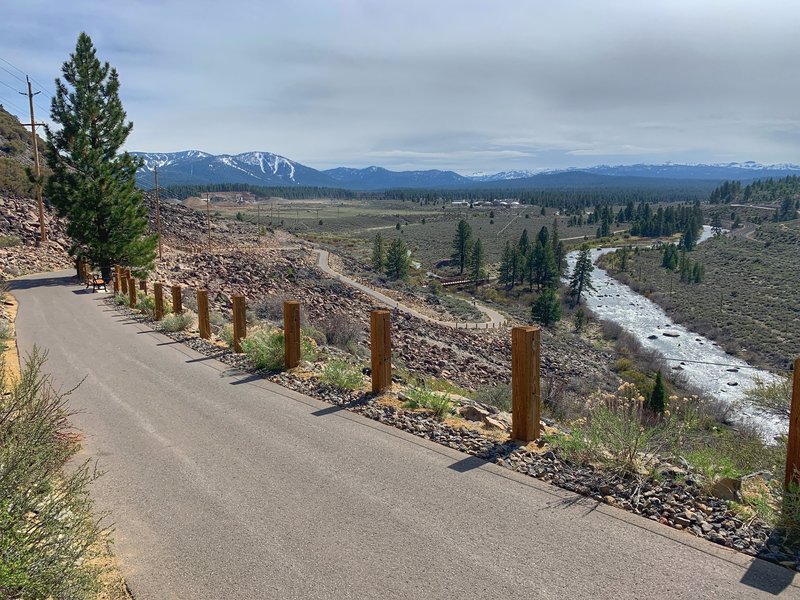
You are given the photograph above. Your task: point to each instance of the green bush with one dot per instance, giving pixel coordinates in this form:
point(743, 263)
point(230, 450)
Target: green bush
point(48, 535)
point(264, 348)
point(7, 241)
point(342, 375)
point(147, 305)
point(177, 322)
point(226, 334)
point(438, 404)
point(498, 396)
point(121, 299)
point(789, 520)
point(620, 434)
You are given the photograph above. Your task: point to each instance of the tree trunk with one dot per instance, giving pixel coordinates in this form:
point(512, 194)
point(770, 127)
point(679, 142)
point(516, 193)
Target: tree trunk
point(105, 269)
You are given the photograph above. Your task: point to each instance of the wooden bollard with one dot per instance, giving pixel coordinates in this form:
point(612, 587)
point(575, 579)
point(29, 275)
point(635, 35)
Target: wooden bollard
point(143, 286)
point(177, 300)
point(131, 292)
point(117, 278)
point(203, 321)
point(239, 322)
point(526, 391)
point(793, 444)
point(380, 336)
point(291, 333)
point(124, 282)
point(158, 292)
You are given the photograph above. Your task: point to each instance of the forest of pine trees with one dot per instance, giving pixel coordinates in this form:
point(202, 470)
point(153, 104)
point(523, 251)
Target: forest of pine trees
point(784, 192)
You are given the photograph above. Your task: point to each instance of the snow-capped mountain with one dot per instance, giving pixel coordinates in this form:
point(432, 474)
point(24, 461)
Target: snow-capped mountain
point(268, 169)
point(734, 170)
point(196, 167)
point(376, 178)
point(502, 175)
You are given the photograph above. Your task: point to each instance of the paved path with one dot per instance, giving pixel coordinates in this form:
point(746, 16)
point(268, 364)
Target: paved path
point(495, 318)
point(226, 486)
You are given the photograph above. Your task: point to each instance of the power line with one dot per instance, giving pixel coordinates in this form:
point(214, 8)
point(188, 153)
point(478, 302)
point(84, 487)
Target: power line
point(44, 89)
point(14, 75)
point(20, 111)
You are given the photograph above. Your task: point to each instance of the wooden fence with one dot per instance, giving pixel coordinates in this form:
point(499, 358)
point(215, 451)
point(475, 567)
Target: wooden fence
point(526, 396)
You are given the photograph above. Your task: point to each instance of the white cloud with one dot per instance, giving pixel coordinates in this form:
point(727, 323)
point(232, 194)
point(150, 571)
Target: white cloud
point(464, 85)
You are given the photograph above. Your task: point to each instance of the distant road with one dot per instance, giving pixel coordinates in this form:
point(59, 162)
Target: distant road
point(226, 486)
point(495, 318)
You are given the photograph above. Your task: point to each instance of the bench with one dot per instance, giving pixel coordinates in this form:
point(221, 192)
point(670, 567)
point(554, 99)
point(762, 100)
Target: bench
point(95, 282)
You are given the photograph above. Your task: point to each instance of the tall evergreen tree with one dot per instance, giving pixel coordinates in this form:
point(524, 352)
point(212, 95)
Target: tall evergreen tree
point(506, 262)
point(93, 184)
point(546, 308)
point(657, 401)
point(581, 279)
point(462, 245)
point(397, 260)
point(378, 254)
point(524, 244)
point(477, 262)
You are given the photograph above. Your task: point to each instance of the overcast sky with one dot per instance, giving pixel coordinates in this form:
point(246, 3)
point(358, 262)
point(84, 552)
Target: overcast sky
point(462, 85)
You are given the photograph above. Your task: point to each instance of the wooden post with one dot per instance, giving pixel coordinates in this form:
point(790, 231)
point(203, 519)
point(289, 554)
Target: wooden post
point(793, 445)
point(117, 279)
point(124, 283)
point(143, 286)
point(526, 396)
point(239, 322)
point(381, 347)
point(131, 292)
point(203, 322)
point(158, 291)
point(177, 300)
point(291, 333)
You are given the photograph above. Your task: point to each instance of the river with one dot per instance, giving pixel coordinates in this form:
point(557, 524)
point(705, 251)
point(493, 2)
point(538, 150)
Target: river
point(701, 362)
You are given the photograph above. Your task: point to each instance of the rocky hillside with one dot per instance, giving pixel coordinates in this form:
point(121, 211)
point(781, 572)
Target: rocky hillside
point(16, 155)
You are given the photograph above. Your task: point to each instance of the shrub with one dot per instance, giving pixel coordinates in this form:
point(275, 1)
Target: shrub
point(264, 348)
point(147, 305)
point(121, 299)
point(226, 334)
point(341, 332)
point(438, 404)
point(789, 520)
point(620, 434)
point(342, 375)
point(774, 397)
point(48, 534)
point(177, 322)
point(7, 241)
point(498, 396)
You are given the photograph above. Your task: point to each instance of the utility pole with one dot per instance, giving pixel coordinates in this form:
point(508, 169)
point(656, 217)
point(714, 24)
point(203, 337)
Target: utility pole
point(158, 216)
point(38, 186)
point(208, 217)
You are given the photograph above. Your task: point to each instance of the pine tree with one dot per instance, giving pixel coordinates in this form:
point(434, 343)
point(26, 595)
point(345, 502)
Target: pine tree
point(506, 261)
point(397, 260)
point(657, 401)
point(378, 254)
point(581, 279)
point(524, 244)
point(477, 267)
point(462, 245)
point(547, 308)
point(93, 185)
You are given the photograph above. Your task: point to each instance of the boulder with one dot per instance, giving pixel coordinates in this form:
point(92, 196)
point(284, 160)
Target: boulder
point(727, 488)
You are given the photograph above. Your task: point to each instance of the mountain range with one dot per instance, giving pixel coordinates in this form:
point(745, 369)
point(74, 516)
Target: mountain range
point(193, 167)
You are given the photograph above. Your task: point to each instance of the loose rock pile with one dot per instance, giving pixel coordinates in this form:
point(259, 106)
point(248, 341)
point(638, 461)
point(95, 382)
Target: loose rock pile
point(19, 218)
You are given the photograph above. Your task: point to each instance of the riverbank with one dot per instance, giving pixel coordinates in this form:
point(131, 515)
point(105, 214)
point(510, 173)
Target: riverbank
point(700, 362)
point(747, 302)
